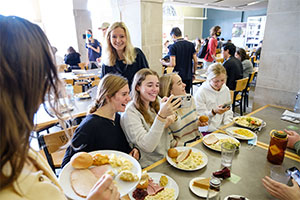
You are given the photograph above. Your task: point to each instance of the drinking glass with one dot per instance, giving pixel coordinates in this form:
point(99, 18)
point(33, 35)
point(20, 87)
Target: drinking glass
point(227, 154)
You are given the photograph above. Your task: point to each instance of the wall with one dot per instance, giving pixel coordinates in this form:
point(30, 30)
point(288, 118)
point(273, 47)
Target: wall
point(279, 71)
point(225, 19)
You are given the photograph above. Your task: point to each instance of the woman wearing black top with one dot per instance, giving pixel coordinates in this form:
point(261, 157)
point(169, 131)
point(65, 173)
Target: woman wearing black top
point(101, 129)
point(72, 58)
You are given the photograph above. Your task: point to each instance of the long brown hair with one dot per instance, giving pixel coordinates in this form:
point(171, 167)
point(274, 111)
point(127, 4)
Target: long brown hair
point(27, 74)
point(243, 54)
point(213, 31)
point(110, 55)
point(139, 77)
point(165, 84)
point(108, 87)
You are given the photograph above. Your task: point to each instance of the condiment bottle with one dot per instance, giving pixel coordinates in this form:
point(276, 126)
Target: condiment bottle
point(213, 192)
point(277, 147)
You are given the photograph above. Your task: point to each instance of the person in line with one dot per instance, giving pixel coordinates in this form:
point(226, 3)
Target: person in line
point(280, 190)
point(242, 56)
point(211, 97)
point(212, 46)
point(32, 74)
point(183, 58)
point(233, 66)
point(72, 59)
point(258, 50)
point(145, 119)
point(120, 56)
point(187, 130)
point(104, 26)
point(101, 129)
point(94, 49)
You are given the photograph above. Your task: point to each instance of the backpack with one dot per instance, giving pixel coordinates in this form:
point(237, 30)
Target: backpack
point(203, 50)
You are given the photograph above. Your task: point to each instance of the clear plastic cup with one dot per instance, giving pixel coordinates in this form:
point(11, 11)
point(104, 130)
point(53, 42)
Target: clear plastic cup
point(278, 173)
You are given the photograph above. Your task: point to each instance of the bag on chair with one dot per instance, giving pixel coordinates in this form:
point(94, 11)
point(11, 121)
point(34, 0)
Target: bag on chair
point(203, 50)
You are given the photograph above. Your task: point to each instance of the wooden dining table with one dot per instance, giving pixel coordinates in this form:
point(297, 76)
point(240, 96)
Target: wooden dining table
point(249, 166)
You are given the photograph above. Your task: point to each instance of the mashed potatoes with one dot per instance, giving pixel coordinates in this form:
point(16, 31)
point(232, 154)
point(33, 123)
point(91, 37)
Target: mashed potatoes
point(166, 194)
point(121, 162)
point(192, 162)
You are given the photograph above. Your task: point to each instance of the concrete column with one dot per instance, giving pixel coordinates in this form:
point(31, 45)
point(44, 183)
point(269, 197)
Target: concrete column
point(279, 72)
point(144, 21)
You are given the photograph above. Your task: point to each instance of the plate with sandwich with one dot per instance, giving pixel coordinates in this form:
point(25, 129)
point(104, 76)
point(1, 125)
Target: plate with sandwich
point(154, 185)
point(84, 169)
point(241, 133)
point(199, 186)
point(187, 158)
point(214, 141)
point(83, 95)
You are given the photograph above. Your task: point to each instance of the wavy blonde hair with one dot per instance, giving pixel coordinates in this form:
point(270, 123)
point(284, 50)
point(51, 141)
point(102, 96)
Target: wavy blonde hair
point(215, 70)
point(28, 74)
point(108, 87)
point(110, 54)
point(165, 84)
point(139, 77)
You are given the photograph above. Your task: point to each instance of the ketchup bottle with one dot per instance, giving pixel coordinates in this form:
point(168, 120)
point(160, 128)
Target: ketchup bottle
point(277, 147)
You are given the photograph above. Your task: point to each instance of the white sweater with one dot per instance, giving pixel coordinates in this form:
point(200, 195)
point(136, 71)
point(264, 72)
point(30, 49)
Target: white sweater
point(152, 141)
point(207, 99)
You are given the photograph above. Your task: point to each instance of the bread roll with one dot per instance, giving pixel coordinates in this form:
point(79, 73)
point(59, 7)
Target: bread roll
point(144, 182)
point(203, 118)
point(81, 160)
point(172, 153)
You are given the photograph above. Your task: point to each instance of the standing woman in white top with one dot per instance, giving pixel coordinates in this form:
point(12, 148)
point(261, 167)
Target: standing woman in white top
point(145, 119)
point(211, 97)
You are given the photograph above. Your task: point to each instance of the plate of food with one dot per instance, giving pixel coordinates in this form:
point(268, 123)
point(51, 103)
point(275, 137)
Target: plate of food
point(241, 133)
point(252, 123)
point(214, 141)
point(235, 197)
point(84, 170)
point(187, 158)
point(155, 185)
point(83, 95)
point(199, 186)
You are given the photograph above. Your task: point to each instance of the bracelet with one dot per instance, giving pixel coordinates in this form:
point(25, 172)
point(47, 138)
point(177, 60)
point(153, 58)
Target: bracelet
point(161, 116)
point(213, 112)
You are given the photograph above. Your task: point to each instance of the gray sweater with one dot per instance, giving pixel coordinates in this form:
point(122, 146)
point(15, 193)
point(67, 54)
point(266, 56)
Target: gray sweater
point(247, 68)
point(152, 140)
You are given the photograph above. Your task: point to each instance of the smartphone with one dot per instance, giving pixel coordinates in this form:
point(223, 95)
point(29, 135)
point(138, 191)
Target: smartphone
point(294, 173)
point(226, 105)
point(84, 36)
point(186, 100)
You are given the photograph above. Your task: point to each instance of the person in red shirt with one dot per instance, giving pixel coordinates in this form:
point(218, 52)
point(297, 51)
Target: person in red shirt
point(212, 46)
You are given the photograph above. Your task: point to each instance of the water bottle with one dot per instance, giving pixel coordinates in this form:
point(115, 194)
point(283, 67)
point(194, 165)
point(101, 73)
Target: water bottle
point(214, 189)
point(297, 104)
point(70, 94)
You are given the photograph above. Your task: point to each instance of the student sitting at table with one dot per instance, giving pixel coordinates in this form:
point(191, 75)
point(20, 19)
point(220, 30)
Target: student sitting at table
point(120, 57)
point(72, 59)
point(211, 97)
point(241, 55)
point(187, 130)
point(28, 67)
point(101, 129)
point(145, 119)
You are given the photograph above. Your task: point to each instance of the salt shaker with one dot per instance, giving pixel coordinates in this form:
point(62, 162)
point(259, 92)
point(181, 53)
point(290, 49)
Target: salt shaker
point(214, 189)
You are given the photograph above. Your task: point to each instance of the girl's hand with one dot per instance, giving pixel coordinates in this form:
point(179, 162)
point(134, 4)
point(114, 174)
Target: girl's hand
point(170, 120)
point(135, 153)
point(220, 110)
point(167, 107)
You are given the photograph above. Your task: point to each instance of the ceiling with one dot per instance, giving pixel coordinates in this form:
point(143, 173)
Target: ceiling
point(240, 5)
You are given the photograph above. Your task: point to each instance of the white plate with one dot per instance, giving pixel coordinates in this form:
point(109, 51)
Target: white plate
point(123, 187)
point(235, 196)
point(238, 136)
point(204, 158)
point(156, 176)
point(199, 191)
point(219, 136)
point(250, 126)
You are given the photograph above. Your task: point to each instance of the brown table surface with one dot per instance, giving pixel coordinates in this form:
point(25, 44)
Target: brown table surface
point(250, 164)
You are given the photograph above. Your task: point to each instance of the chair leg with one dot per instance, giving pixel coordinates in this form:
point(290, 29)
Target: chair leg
point(245, 102)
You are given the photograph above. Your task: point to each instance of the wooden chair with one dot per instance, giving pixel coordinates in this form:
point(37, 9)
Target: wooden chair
point(82, 65)
point(238, 93)
point(52, 145)
point(247, 89)
point(61, 68)
point(95, 82)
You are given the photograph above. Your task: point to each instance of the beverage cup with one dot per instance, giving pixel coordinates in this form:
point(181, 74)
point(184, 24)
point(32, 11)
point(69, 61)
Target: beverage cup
point(277, 173)
point(227, 154)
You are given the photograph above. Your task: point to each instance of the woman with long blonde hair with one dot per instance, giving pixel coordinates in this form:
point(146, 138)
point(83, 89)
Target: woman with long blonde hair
point(101, 129)
point(27, 66)
point(145, 119)
point(119, 56)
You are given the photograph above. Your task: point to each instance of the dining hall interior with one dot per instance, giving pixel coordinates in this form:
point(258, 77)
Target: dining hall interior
point(264, 105)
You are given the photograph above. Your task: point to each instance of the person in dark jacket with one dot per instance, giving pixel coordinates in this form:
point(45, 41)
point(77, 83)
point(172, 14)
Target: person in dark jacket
point(72, 58)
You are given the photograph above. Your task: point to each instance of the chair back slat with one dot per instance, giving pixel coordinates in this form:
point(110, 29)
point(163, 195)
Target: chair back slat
point(82, 65)
point(241, 84)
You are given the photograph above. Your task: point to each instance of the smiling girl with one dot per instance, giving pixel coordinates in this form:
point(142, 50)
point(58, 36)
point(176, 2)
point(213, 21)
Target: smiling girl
point(211, 97)
point(120, 57)
point(145, 119)
point(101, 129)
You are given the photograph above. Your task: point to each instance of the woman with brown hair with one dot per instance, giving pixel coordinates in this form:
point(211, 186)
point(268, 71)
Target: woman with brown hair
point(145, 119)
point(27, 66)
point(101, 129)
point(212, 46)
point(241, 55)
point(120, 57)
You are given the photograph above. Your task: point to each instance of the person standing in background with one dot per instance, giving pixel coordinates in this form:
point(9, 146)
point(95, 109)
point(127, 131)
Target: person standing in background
point(212, 46)
point(94, 49)
point(120, 56)
point(183, 58)
point(104, 26)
